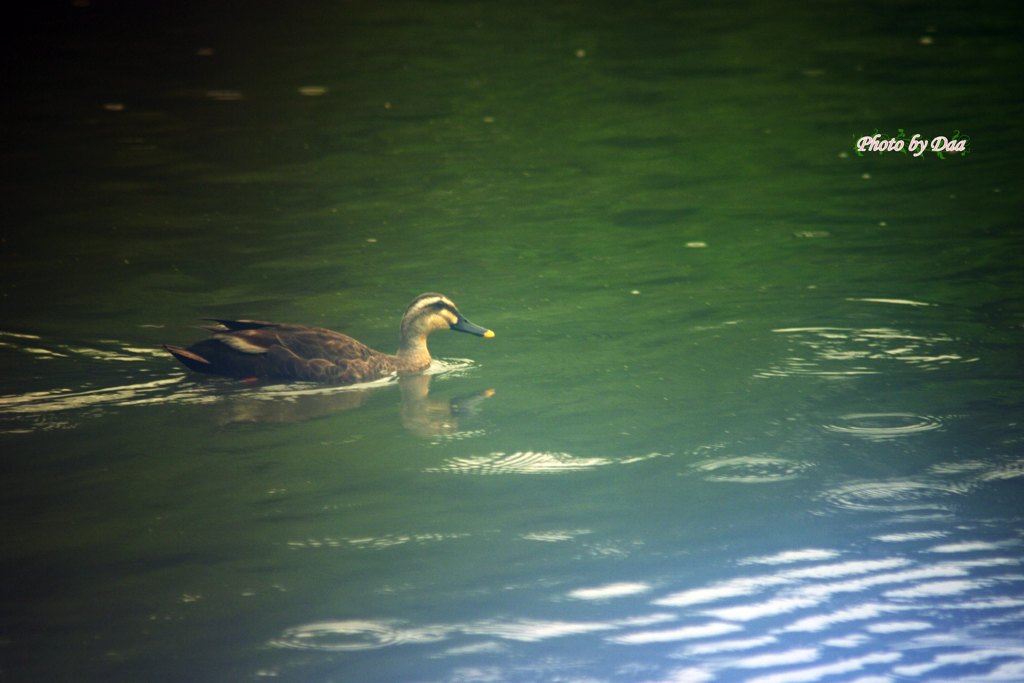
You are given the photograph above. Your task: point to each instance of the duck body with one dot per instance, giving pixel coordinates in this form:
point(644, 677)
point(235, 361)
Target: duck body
point(257, 349)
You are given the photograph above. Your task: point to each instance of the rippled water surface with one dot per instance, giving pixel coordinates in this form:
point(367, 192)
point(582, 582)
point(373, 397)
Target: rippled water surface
point(753, 411)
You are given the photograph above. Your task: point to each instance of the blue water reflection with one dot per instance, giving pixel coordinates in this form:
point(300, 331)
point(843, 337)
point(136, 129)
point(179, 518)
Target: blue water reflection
point(902, 606)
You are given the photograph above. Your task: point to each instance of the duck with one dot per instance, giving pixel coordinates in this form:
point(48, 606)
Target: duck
point(256, 349)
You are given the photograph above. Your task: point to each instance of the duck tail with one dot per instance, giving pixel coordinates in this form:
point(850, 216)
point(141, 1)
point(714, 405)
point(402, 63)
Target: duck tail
point(192, 361)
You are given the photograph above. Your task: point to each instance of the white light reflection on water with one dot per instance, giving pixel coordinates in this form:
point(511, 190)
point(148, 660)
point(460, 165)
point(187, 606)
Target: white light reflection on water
point(611, 590)
point(849, 352)
point(909, 536)
point(720, 646)
point(816, 673)
point(694, 632)
point(532, 462)
point(801, 614)
point(373, 542)
point(973, 546)
point(356, 634)
point(897, 495)
point(70, 399)
point(366, 634)
point(900, 302)
point(749, 585)
point(759, 610)
point(555, 535)
point(31, 411)
point(751, 469)
point(801, 655)
point(533, 630)
point(790, 556)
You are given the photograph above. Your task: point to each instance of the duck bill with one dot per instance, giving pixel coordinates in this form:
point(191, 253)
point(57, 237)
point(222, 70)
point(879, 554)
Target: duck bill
point(464, 325)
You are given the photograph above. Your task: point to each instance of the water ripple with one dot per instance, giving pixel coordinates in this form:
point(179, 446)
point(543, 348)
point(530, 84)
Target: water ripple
point(897, 495)
point(374, 542)
point(554, 535)
point(347, 636)
point(751, 469)
point(532, 630)
point(884, 426)
point(1002, 471)
point(531, 462)
point(995, 470)
point(847, 352)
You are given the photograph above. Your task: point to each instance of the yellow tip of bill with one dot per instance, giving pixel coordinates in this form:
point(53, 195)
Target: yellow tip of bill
point(488, 334)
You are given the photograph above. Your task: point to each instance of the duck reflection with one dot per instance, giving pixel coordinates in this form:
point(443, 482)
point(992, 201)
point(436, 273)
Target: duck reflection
point(439, 417)
point(420, 414)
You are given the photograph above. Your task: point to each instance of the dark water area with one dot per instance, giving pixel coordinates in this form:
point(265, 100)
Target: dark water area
point(753, 407)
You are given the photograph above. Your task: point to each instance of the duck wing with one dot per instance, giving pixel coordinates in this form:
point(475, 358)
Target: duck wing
point(231, 325)
point(251, 348)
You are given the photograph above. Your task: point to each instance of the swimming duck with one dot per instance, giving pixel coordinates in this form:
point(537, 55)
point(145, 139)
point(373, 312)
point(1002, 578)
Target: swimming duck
point(256, 349)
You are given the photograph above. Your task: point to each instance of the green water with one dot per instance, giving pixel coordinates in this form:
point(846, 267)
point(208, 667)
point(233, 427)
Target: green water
point(756, 398)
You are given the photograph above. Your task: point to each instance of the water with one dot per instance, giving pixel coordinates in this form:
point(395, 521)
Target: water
point(752, 412)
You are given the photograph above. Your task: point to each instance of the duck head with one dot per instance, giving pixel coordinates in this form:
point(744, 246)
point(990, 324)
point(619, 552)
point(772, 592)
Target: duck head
point(431, 312)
